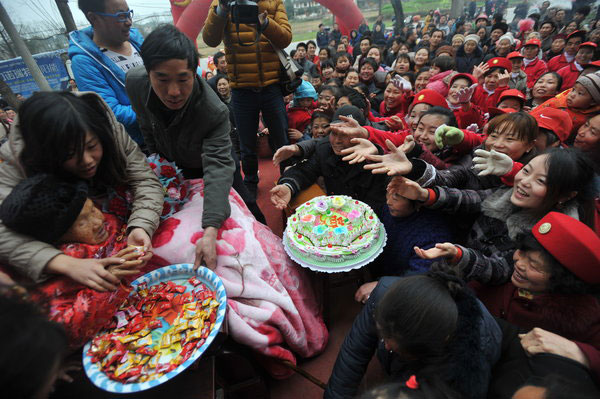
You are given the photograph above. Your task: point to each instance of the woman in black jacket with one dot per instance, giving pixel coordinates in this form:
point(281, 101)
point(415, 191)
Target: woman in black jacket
point(469, 54)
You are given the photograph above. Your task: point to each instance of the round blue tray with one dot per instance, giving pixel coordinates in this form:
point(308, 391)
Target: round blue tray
point(179, 274)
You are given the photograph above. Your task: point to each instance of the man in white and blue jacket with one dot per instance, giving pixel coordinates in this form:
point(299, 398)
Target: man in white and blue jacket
point(102, 53)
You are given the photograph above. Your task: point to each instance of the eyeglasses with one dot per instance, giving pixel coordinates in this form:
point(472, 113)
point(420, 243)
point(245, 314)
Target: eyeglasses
point(123, 16)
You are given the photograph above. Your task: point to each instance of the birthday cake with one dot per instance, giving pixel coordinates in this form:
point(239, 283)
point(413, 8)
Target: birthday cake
point(332, 229)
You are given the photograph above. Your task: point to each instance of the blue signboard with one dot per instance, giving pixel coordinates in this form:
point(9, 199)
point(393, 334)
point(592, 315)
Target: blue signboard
point(16, 74)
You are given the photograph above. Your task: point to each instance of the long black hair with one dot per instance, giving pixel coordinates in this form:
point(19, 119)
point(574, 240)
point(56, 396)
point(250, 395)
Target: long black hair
point(54, 126)
point(570, 170)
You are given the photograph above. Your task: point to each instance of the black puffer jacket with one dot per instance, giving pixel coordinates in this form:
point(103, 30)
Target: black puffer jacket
point(341, 178)
point(465, 62)
point(474, 352)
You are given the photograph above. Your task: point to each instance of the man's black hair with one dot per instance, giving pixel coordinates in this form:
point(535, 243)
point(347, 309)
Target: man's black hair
point(218, 55)
point(584, 10)
point(301, 44)
point(354, 96)
point(438, 30)
point(551, 22)
point(310, 42)
point(167, 43)
point(91, 6)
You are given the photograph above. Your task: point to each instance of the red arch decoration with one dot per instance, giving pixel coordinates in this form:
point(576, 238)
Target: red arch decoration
point(189, 15)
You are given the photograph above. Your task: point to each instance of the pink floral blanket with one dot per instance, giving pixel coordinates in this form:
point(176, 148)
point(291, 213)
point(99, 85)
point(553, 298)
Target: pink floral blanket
point(271, 303)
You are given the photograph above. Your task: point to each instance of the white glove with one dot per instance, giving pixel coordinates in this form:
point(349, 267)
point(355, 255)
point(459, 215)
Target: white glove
point(401, 83)
point(492, 163)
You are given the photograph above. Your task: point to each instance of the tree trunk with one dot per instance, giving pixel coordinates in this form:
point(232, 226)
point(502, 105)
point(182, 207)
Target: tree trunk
point(8, 95)
point(399, 13)
point(65, 13)
point(458, 8)
point(23, 51)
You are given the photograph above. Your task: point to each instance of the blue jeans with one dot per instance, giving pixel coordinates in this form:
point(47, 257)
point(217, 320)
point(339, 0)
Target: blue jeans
point(247, 104)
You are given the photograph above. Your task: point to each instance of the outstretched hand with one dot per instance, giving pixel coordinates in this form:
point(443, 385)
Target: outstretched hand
point(393, 163)
point(358, 151)
point(281, 196)
point(285, 152)
point(393, 123)
point(448, 135)
point(480, 70)
point(441, 250)
point(503, 79)
point(408, 189)
point(464, 95)
point(349, 127)
point(492, 163)
point(542, 341)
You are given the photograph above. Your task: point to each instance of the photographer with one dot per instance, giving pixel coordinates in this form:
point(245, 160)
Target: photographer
point(253, 68)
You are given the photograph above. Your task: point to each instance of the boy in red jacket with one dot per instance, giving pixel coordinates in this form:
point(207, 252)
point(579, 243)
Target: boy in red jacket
point(493, 79)
point(301, 110)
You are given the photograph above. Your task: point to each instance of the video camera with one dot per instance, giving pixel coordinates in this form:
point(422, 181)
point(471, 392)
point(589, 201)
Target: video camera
point(243, 11)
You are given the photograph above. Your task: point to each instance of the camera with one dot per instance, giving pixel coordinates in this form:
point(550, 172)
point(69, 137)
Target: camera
point(243, 11)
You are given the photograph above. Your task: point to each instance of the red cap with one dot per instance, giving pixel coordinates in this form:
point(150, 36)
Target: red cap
point(514, 93)
point(587, 44)
point(572, 243)
point(481, 16)
point(493, 111)
point(431, 97)
point(514, 54)
point(555, 120)
point(580, 33)
point(499, 62)
point(533, 42)
point(467, 76)
point(594, 63)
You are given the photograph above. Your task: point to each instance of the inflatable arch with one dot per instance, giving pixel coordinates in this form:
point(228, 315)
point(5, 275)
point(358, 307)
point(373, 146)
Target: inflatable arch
point(189, 15)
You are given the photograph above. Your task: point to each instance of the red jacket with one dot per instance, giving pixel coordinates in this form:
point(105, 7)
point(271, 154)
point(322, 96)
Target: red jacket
point(485, 100)
point(577, 116)
point(298, 118)
point(575, 317)
point(466, 118)
point(569, 75)
point(558, 62)
point(534, 70)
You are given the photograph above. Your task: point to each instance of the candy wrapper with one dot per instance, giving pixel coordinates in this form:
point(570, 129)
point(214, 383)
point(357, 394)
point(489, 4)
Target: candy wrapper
point(142, 345)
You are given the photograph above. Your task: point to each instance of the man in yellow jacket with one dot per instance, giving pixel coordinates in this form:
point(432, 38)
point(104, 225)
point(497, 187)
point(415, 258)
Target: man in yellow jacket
point(253, 68)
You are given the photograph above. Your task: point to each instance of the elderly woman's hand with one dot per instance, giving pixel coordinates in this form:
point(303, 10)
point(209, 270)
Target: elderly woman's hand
point(542, 341)
point(139, 238)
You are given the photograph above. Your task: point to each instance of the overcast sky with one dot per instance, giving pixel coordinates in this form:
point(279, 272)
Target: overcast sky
point(35, 11)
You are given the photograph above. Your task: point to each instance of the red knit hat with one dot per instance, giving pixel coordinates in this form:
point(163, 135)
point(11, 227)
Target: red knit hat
point(431, 97)
point(499, 62)
point(513, 93)
point(572, 243)
point(514, 54)
point(555, 120)
point(533, 42)
point(467, 76)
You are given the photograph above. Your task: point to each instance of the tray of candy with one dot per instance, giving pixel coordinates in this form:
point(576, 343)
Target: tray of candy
point(169, 319)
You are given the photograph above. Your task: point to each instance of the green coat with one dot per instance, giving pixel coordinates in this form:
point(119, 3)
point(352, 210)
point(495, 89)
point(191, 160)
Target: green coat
point(197, 137)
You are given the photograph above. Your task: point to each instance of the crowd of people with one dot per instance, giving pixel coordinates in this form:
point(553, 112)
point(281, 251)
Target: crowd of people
point(476, 140)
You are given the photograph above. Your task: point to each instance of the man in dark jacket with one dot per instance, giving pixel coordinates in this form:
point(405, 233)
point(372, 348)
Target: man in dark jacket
point(341, 178)
point(183, 120)
point(322, 37)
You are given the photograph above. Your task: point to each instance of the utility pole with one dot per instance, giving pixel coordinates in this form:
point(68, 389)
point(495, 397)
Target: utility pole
point(379, 8)
point(65, 13)
point(23, 51)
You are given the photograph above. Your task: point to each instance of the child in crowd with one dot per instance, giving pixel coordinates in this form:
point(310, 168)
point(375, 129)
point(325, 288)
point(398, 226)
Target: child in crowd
point(511, 98)
point(342, 61)
point(518, 77)
point(299, 115)
point(327, 99)
point(493, 79)
point(547, 86)
point(580, 102)
point(442, 67)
